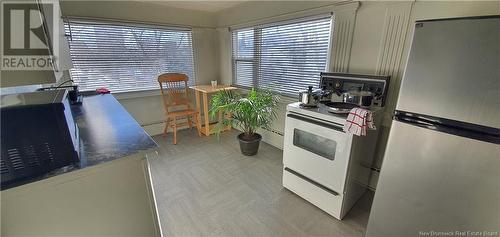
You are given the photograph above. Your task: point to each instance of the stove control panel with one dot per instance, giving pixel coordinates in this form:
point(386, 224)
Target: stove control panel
point(343, 82)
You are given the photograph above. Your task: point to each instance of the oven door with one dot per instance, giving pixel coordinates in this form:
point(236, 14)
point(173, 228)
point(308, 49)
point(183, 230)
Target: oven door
point(316, 150)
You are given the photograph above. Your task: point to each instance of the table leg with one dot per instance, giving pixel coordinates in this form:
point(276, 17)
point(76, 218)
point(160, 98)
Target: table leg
point(229, 116)
point(198, 104)
point(206, 116)
point(220, 119)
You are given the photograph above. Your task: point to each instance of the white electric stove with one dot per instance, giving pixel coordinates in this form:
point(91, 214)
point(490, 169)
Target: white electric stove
point(323, 164)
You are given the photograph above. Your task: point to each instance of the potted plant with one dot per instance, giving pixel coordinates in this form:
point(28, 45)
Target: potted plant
point(256, 110)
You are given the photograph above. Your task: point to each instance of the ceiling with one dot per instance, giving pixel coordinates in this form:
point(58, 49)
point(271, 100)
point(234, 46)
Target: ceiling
point(205, 5)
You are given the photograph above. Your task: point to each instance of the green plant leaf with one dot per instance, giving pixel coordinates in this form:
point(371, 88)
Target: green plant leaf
point(256, 110)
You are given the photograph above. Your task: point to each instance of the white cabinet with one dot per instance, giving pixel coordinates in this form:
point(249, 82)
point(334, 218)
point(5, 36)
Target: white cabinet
point(111, 199)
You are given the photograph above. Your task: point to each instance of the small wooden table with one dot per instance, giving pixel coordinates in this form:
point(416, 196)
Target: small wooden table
point(205, 90)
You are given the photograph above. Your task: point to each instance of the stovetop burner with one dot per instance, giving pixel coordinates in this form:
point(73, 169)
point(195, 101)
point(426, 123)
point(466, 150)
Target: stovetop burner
point(301, 105)
point(338, 107)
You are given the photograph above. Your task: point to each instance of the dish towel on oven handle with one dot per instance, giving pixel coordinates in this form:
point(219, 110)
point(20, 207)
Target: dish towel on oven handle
point(358, 121)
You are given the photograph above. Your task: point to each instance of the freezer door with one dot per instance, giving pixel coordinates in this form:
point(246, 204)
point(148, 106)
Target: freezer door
point(433, 181)
point(453, 71)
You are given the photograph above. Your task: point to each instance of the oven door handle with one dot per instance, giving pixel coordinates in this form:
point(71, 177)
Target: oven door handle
point(335, 126)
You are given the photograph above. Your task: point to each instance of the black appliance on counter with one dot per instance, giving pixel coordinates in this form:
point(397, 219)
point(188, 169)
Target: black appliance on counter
point(74, 96)
point(38, 134)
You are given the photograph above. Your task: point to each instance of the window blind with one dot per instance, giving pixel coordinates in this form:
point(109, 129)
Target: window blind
point(126, 57)
point(285, 57)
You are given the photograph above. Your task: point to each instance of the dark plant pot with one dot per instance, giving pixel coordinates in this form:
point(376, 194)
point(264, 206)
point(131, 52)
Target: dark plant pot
point(249, 147)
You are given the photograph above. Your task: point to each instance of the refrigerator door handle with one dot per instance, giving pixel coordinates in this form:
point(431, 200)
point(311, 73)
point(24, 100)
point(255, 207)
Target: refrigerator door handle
point(414, 121)
point(474, 131)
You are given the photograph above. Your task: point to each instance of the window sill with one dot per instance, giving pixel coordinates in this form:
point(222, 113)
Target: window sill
point(132, 94)
point(284, 99)
point(288, 99)
point(136, 94)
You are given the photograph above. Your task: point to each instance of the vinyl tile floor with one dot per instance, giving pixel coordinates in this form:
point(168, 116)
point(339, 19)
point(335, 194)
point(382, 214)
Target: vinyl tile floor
point(205, 187)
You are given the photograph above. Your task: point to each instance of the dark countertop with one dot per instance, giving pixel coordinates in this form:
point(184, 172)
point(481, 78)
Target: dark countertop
point(107, 132)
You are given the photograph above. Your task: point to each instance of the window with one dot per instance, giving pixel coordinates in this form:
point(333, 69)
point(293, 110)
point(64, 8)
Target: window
point(284, 57)
point(124, 57)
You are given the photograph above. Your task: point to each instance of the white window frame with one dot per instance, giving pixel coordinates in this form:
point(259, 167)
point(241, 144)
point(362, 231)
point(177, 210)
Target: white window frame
point(126, 94)
point(257, 29)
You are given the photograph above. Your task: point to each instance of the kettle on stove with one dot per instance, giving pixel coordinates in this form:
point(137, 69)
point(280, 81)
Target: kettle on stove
point(310, 97)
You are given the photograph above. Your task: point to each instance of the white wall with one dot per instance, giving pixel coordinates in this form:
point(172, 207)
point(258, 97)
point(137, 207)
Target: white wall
point(138, 11)
point(258, 10)
point(147, 108)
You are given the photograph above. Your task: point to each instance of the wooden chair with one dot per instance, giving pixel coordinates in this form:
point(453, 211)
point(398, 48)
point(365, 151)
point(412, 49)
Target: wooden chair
point(175, 96)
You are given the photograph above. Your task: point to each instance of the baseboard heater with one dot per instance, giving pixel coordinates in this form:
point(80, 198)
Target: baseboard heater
point(274, 131)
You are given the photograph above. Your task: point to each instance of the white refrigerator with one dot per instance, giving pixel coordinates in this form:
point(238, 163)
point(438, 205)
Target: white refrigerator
point(441, 168)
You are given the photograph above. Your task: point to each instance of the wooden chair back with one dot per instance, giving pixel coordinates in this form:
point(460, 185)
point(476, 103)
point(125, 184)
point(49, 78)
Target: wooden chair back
point(174, 90)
